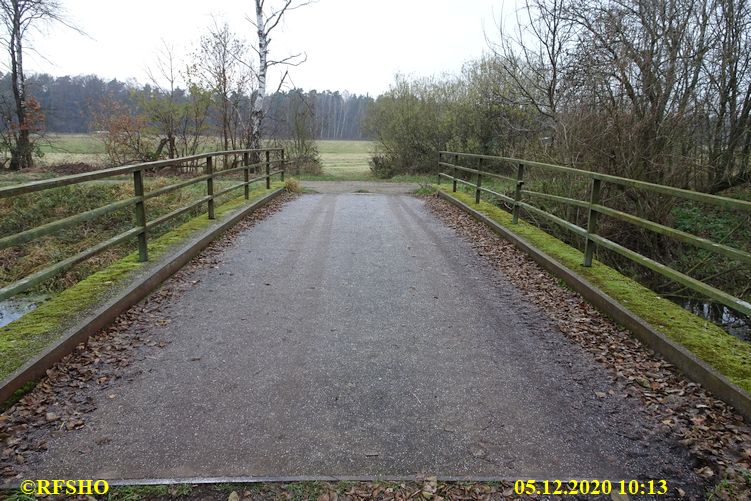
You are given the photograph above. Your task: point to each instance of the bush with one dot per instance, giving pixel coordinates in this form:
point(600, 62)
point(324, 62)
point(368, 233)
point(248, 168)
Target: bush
point(382, 166)
point(292, 185)
point(308, 165)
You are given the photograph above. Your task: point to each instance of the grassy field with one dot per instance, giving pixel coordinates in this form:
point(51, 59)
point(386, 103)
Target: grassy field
point(72, 148)
point(346, 159)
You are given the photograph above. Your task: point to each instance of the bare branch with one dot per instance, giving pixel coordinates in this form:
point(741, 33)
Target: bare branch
point(287, 61)
point(275, 17)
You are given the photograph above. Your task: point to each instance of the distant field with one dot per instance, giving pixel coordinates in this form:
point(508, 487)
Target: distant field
point(346, 159)
point(72, 148)
point(340, 159)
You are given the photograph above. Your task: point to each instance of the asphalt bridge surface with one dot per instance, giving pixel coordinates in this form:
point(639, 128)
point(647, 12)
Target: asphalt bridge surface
point(357, 335)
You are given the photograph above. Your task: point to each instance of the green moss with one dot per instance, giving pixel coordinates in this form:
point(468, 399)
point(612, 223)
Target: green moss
point(728, 354)
point(17, 395)
point(27, 336)
point(143, 492)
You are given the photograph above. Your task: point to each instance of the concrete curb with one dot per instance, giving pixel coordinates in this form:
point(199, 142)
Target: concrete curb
point(693, 367)
point(138, 289)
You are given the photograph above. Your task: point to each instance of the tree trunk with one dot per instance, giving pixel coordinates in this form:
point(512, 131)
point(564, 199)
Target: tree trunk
point(21, 157)
point(256, 117)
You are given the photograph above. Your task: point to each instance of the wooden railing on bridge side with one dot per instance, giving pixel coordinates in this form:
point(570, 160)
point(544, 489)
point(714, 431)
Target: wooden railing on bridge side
point(139, 202)
point(448, 160)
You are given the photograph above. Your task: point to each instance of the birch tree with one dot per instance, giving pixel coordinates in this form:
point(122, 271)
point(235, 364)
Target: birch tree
point(266, 20)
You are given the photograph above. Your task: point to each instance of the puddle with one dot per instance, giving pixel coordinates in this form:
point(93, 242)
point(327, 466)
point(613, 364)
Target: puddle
point(733, 322)
point(13, 309)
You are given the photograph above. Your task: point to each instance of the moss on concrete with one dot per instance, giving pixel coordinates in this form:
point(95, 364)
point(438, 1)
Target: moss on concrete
point(728, 354)
point(29, 335)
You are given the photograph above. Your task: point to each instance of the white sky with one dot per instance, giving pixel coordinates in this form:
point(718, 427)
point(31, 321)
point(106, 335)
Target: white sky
point(354, 45)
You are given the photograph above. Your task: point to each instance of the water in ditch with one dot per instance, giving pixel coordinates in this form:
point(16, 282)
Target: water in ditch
point(733, 322)
point(15, 308)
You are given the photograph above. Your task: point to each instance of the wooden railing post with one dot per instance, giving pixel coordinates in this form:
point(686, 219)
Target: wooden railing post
point(246, 173)
point(210, 185)
point(440, 168)
point(456, 162)
point(268, 170)
point(143, 250)
point(518, 193)
point(283, 165)
point(478, 188)
point(589, 245)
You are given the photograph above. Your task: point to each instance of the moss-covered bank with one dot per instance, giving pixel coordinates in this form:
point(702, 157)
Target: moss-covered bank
point(729, 355)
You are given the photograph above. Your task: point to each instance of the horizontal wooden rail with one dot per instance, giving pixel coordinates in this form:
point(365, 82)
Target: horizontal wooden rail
point(49, 272)
point(557, 198)
point(728, 203)
point(709, 291)
point(229, 189)
point(174, 187)
point(595, 207)
point(475, 171)
point(61, 224)
point(497, 195)
point(57, 182)
point(577, 230)
point(175, 213)
point(730, 252)
point(142, 224)
point(244, 167)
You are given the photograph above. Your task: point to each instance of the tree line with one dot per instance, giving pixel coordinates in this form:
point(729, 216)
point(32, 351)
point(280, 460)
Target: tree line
point(70, 104)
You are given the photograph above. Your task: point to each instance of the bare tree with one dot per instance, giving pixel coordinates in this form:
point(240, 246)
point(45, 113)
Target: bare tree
point(220, 67)
point(727, 96)
point(176, 107)
point(646, 59)
point(22, 116)
point(265, 23)
point(162, 106)
point(535, 59)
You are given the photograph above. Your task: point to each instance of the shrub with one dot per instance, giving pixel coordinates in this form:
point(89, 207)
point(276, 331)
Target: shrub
point(382, 166)
point(292, 185)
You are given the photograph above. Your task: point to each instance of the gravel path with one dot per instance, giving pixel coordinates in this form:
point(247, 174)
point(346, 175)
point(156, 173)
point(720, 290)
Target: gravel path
point(353, 335)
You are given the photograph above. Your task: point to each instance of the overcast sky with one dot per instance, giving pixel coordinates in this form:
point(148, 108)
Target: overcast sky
point(354, 45)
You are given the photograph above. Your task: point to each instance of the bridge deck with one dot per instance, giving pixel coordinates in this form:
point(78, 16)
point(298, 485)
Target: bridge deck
point(356, 335)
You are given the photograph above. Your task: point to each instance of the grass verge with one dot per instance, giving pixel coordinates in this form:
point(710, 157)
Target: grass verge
point(27, 336)
point(728, 354)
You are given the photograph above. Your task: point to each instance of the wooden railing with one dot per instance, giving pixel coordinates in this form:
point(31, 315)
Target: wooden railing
point(594, 207)
point(139, 202)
